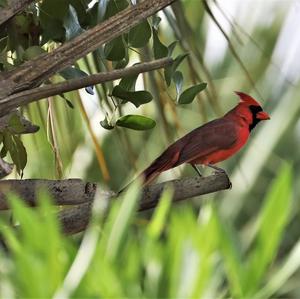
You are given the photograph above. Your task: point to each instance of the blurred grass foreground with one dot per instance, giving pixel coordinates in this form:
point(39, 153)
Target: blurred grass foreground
point(177, 254)
point(240, 243)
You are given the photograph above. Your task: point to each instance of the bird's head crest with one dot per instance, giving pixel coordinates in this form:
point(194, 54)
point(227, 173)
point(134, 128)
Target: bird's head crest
point(245, 98)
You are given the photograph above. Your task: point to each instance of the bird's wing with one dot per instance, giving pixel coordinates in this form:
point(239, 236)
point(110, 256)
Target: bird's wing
point(216, 135)
point(219, 134)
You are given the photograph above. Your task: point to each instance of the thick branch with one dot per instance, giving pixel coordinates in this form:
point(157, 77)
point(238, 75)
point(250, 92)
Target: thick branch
point(13, 8)
point(76, 192)
point(35, 71)
point(38, 93)
point(185, 188)
point(76, 219)
point(63, 192)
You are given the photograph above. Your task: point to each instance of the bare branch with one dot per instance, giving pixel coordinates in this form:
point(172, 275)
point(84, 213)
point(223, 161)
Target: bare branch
point(38, 93)
point(185, 188)
point(75, 220)
point(63, 192)
point(76, 192)
point(34, 72)
point(13, 8)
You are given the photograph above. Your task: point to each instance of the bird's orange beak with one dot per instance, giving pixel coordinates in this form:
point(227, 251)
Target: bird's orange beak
point(263, 115)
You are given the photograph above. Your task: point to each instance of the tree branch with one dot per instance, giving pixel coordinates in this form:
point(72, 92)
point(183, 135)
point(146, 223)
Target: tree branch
point(185, 188)
point(13, 8)
point(31, 95)
point(35, 71)
point(63, 192)
point(76, 192)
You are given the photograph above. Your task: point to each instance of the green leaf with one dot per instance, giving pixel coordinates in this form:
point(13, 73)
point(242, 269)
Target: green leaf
point(52, 13)
point(19, 155)
point(115, 50)
point(81, 8)
point(5, 141)
point(136, 122)
point(114, 6)
point(71, 24)
point(3, 44)
point(139, 35)
point(73, 72)
point(16, 149)
point(159, 49)
point(101, 11)
point(120, 64)
point(3, 3)
point(171, 69)
point(68, 102)
point(178, 80)
point(128, 83)
point(32, 52)
point(15, 125)
point(189, 94)
point(54, 9)
point(22, 24)
point(135, 97)
point(171, 48)
point(155, 21)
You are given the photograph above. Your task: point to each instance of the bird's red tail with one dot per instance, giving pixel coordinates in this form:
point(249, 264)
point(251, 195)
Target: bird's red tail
point(165, 161)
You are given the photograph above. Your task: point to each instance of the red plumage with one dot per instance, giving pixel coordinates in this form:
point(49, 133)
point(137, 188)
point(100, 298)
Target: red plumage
point(213, 142)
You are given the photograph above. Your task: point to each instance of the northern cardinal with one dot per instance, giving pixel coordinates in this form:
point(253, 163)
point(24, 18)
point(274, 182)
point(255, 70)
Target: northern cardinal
point(213, 142)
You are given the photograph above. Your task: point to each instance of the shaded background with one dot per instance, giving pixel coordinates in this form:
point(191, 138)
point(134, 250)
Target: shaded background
point(256, 43)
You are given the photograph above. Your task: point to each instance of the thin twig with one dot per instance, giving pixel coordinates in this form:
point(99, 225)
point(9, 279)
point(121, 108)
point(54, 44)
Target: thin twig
point(35, 94)
point(98, 149)
point(231, 47)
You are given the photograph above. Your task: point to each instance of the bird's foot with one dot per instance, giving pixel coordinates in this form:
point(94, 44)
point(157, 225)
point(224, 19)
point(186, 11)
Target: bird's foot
point(218, 169)
point(197, 170)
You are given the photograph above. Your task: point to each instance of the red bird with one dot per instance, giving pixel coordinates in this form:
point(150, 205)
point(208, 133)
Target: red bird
point(213, 142)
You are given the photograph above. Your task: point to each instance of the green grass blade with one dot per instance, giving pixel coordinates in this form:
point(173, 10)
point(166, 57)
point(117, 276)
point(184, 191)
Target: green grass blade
point(121, 221)
point(283, 273)
point(273, 219)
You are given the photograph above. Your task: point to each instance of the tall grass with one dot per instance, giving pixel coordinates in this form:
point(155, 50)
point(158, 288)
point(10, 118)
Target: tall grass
point(174, 254)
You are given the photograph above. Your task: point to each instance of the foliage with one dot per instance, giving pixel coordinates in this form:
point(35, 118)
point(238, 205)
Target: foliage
point(173, 255)
point(246, 242)
point(48, 24)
